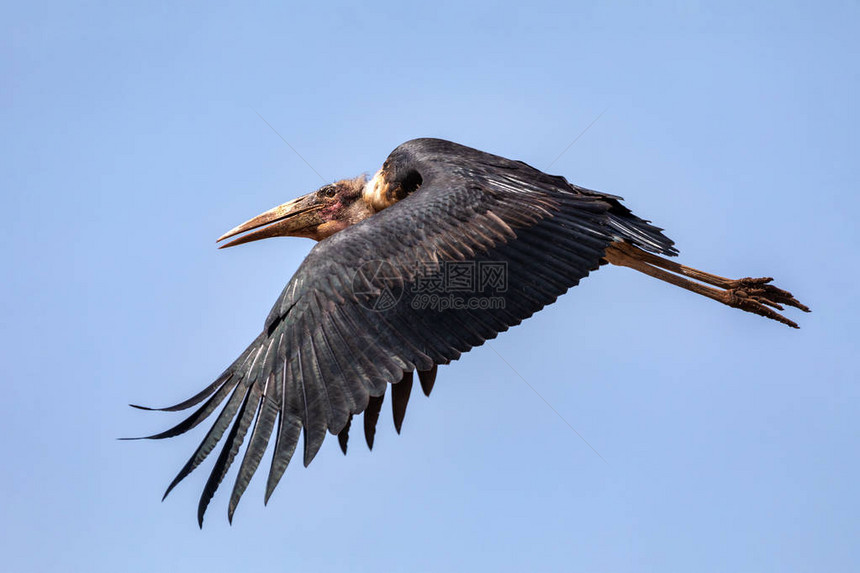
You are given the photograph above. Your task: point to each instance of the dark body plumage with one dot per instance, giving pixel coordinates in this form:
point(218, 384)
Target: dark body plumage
point(326, 353)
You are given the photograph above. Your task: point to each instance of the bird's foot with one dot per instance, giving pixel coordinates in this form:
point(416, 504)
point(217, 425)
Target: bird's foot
point(755, 295)
point(758, 296)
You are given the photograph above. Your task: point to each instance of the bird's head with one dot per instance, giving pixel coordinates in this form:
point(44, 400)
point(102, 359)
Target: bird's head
point(317, 215)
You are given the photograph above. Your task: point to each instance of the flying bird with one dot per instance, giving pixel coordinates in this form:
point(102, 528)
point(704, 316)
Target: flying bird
point(442, 249)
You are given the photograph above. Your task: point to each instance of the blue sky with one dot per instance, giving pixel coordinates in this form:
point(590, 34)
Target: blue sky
point(131, 141)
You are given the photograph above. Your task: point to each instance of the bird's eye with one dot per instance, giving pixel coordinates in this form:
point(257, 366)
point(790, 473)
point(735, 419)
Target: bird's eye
point(329, 192)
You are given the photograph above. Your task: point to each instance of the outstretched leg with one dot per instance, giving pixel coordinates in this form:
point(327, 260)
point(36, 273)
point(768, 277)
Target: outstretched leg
point(754, 295)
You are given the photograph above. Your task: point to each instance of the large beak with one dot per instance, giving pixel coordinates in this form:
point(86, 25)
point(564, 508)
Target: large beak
point(293, 219)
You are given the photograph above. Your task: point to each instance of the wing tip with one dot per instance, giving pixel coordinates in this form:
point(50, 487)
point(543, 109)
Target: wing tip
point(179, 477)
point(145, 408)
point(427, 378)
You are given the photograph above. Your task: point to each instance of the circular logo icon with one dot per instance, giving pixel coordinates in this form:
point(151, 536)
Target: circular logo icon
point(377, 285)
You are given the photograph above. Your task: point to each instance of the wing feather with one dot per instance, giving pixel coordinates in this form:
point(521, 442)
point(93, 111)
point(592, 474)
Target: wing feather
point(259, 440)
point(371, 417)
point(289, 430)
point(229, 449)
point(400, 393)
point(427, 379)
point(213, 436)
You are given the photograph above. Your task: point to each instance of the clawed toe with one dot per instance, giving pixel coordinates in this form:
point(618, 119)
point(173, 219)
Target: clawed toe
point(759, 289)
point(760, 301)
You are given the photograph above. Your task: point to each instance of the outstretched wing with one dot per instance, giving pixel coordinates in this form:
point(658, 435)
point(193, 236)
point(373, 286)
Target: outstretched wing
point(360, 312)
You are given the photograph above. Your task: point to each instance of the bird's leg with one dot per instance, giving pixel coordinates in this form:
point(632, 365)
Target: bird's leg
point(754, 295)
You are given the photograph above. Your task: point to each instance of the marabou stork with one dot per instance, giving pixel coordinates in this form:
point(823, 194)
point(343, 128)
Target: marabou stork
point(330, 348)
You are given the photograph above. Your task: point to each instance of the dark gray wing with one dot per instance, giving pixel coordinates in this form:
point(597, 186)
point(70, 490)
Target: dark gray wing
point(353, 318)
